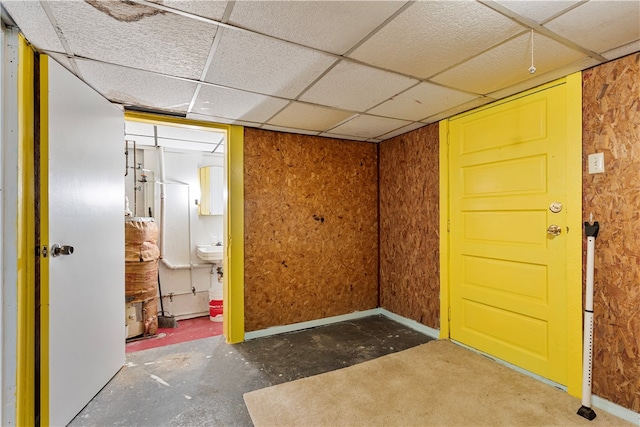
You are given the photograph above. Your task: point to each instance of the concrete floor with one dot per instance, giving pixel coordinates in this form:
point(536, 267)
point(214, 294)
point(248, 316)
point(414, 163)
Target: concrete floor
point(201, 383)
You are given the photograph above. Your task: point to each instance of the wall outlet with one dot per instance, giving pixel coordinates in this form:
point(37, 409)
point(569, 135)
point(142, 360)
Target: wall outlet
point(596, 163)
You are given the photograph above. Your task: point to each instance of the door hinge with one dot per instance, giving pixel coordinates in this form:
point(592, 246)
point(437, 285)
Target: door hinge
point(449, 314)
point(448, 225)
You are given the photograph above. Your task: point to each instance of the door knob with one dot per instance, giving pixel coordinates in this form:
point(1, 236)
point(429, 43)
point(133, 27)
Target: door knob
point(554, 230)
point(57, 249)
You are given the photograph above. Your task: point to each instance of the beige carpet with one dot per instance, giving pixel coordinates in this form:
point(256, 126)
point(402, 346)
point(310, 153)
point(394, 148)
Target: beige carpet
point(435, 384)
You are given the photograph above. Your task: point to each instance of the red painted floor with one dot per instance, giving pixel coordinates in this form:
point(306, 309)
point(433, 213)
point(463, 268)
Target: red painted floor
point(187, 330)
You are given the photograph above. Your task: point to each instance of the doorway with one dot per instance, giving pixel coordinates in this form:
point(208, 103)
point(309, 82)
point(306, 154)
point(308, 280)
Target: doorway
point(511, 230)
point(187, 152)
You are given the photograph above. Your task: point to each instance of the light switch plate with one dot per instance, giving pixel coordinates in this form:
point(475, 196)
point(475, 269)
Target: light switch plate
point(596, 163)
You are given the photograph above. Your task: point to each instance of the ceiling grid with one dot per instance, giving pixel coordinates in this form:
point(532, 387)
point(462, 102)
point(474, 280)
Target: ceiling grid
point(358, 70)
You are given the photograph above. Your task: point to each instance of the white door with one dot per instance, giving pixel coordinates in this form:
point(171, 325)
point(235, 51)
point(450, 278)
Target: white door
point(86, 205)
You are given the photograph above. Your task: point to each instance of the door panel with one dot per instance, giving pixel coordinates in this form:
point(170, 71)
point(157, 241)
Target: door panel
point(86, 208)
point(508, 285)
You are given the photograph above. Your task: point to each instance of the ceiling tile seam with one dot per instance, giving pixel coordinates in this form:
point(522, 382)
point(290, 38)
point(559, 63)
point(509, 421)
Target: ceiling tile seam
point(169, 76)
point(379, 27)
point(205, 69)
point(475, 55)
point(563, 11)
point(256, 33)
point(6, 19)
point(450, 112)
point(214, 47)
point(533, 25)
point(221, 24)
point(380, 136)
point(293, 129)
point(63, 40)
point(630, 45)
point(390, 98)
point(348, 119)
point(196, 92)
point(296, 99)
point(228, 10)
point(502, 42)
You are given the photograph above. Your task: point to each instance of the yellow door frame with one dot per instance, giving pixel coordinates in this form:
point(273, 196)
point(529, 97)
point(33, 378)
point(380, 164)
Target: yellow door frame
point(573, 84)
point(233, 279)
point(233, 325)
point(25, 351)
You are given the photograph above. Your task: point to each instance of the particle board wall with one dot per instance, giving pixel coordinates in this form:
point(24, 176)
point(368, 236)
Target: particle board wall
point(611, 124)
point(311, 228)
point(409, 221)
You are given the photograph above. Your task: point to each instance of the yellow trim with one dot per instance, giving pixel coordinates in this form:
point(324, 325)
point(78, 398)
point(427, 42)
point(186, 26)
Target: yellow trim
point(574, 237)
point(573, 84)
point(156, 119)
point(234, 230)
point(233, 282)
point(444, 232)
point(44, 237)
point(25, 242)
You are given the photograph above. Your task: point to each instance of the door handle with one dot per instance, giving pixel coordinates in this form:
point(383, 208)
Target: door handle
point(554, 230)
point(57, 249)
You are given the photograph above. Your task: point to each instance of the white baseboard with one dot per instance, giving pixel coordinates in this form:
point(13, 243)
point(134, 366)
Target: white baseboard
point(617, 410)
point(598, 402)
point(275, 330)
point(433, 333)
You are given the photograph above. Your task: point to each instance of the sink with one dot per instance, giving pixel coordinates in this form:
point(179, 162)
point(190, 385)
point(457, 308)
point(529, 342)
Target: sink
point(210, 253)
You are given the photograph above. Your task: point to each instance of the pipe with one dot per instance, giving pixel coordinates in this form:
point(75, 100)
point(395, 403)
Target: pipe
point(183, 266)
point(585, 410)
point(135, 182)
point(163, 212)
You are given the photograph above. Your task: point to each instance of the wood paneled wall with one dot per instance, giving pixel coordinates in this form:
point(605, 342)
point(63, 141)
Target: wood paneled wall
point(409, 221)
point(611, 124)
point(311, 228)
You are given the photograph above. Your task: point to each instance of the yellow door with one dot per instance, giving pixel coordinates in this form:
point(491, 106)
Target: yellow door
point(509, 230)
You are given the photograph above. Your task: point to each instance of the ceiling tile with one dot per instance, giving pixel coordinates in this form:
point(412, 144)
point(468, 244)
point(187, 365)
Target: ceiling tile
point(622, 50)
point(405, 129)
point(365, 126)
point(236, 104)
point(540, 79)
point(223, 120)
point(332, 26)
point(136, 36)
point(421, 101)
point(311, 117)
point(62, 60)
point(539, 10)
point(356, 87)
point(610, 24)
point(431, 36)
point(458, 109)
point(508, 64)
point(135, 87)
point(290, 130)
point(207, 9)
point(348, 137)
point(34, 23)
point(260, 64)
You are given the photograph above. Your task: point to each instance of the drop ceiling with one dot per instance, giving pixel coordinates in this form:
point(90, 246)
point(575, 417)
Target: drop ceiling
point(357, 70)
